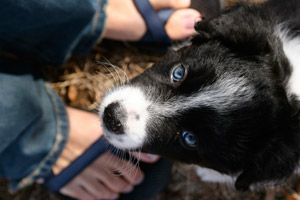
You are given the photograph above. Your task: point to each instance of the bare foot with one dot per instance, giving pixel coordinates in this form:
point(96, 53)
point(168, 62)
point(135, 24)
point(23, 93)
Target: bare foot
point(124, 22)
point(98, 180)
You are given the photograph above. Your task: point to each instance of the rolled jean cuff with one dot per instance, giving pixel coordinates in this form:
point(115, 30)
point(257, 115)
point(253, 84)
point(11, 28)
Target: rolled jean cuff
point(62, 129)
point(93, 33)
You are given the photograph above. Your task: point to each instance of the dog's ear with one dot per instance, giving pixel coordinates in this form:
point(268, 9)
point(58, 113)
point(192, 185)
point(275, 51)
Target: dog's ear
point(244, 34)
point(205, 31)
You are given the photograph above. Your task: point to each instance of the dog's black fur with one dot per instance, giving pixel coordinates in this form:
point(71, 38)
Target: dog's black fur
point(258, 139)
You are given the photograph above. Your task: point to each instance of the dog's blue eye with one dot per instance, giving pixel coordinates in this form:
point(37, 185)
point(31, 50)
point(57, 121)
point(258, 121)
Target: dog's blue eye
point(189, 139)
point(178, 73)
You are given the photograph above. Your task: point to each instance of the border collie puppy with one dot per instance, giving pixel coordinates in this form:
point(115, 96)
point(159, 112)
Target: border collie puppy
point(228, 102)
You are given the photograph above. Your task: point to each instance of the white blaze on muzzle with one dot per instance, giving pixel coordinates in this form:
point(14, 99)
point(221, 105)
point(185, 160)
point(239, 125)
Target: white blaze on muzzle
point(135, 105)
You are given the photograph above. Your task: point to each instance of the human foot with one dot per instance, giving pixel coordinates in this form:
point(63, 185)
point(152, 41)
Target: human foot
point(99, 179)
point(124, 21)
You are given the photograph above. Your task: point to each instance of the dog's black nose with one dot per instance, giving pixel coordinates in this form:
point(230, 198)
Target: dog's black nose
point(113, 116)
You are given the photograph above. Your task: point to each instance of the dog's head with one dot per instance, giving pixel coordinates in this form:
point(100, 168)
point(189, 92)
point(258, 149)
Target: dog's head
point(220, 103)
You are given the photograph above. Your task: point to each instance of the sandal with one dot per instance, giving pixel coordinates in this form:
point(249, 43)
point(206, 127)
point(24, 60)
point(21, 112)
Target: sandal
point(55, 183)
point(156, 21)
point(156, 174)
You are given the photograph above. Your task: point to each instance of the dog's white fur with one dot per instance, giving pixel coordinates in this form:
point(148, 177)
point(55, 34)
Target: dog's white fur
point(221, 96)
point(291, 48)
point(135, 104)
point(212, 176)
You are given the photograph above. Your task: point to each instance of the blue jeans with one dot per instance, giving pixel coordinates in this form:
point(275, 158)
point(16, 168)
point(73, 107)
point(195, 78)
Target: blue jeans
point(33, 119)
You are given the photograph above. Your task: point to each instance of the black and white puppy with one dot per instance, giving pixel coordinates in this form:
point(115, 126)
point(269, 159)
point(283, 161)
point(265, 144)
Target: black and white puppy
point(228, 102)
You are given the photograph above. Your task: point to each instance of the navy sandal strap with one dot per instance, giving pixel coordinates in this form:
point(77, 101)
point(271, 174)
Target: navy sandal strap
point(164, 15)
point(154, 22)
point(54, 183)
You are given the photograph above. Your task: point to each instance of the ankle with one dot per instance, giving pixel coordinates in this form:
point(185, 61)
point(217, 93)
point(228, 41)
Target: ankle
point(84, 130)
point(123, 21)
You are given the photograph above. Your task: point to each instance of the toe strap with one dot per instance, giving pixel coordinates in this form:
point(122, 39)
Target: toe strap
point(155, 22)
point(55, 183)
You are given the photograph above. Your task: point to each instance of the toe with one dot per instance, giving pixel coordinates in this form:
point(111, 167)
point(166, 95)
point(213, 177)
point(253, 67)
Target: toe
point(145, 157)
point(160, 4)
point(113, 182)
point(181, 24)
point(76, 192)
point(98, 190)
point(130, 172)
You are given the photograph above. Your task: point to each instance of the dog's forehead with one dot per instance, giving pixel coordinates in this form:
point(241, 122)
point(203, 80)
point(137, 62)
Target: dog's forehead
point(225, 95)
point(211, 81)
point(211, 49)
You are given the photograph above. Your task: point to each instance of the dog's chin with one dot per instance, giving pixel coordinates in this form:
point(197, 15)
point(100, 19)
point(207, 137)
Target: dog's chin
point(123, 141)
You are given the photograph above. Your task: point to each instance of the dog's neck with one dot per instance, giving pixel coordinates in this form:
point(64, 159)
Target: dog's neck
point(291, 48)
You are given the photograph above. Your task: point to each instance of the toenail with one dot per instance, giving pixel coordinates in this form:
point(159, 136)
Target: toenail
point(184, 3)
point(128, 189)
point(114, 196)
point(140, 180)
point(152, 157)
point(189, 22)
point(199, 18)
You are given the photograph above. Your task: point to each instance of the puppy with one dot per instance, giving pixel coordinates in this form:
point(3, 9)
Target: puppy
point(228, 102)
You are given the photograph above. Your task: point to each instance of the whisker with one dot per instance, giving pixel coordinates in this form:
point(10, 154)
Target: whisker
point(137, 163)
point(121, 156)
point(124, 73)
point(114, 67)
point(109, 71)
point(131, 159)
point(124, 168)
point(291, 191)
point(110, 149)
point(108, 79)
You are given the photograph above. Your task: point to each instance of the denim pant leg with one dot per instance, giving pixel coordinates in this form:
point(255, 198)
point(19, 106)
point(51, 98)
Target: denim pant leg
point(50, 31)
point(33, 120)
point(33, 125)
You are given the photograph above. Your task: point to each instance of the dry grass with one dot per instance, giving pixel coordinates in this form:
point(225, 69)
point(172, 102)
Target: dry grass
point(82, 82)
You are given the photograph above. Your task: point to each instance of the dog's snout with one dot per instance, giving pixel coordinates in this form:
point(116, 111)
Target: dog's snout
point(114, 114)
